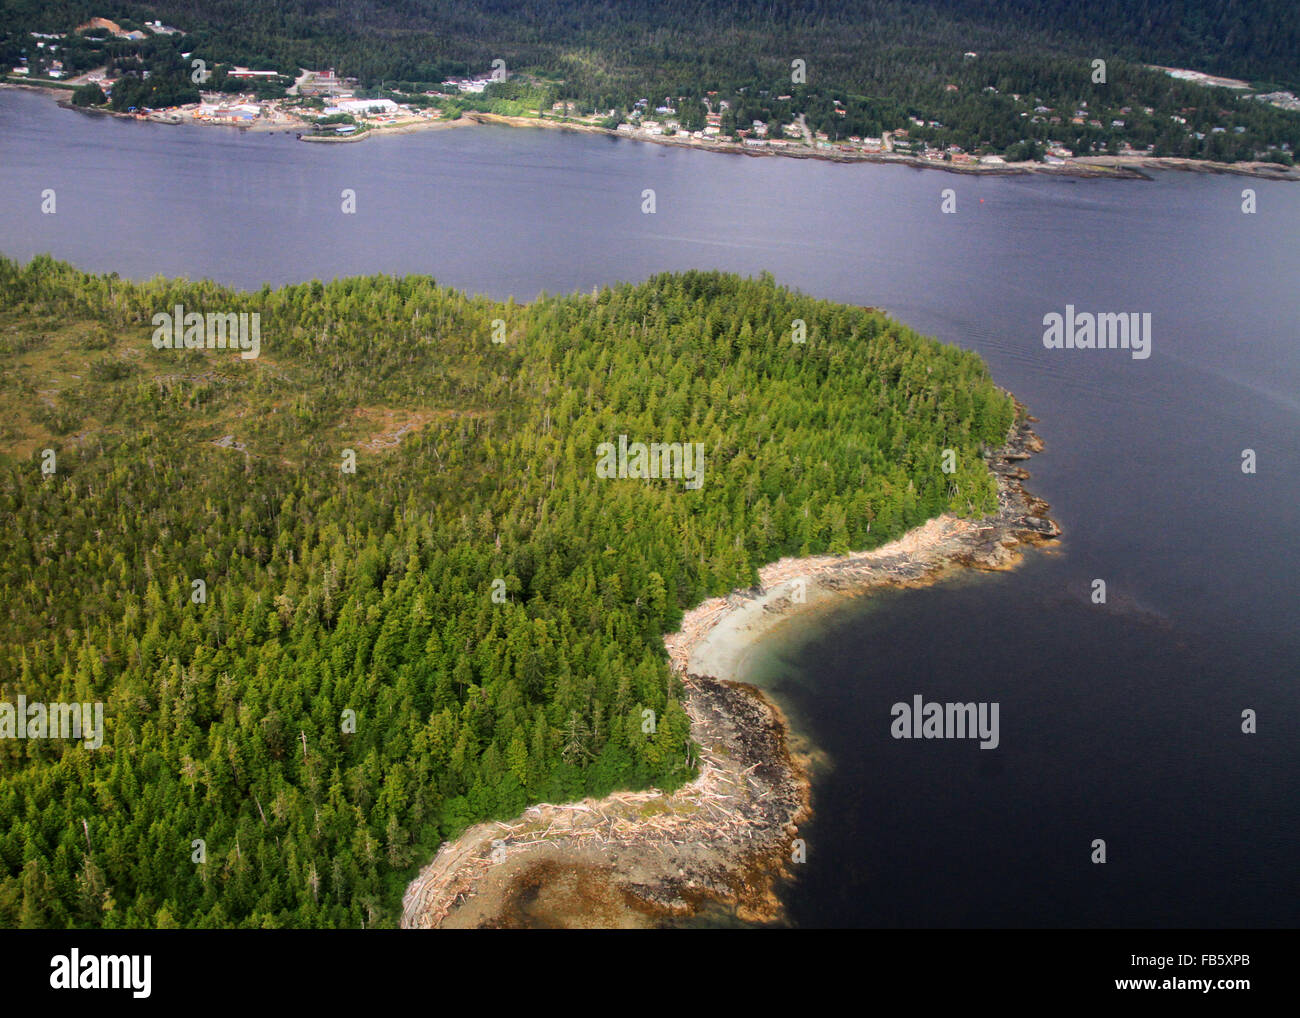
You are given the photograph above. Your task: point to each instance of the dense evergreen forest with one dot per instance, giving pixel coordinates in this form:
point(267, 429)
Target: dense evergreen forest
point(327, 592)
point(641, 42)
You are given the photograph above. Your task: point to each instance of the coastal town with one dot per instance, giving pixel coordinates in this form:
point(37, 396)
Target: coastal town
point(322, 105)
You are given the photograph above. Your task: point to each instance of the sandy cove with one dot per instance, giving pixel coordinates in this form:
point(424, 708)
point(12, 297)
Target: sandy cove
point(637, 859)
point(717, 635)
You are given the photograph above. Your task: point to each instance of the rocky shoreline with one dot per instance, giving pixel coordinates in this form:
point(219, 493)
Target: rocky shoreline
point(638, 859)
point(1109, 167)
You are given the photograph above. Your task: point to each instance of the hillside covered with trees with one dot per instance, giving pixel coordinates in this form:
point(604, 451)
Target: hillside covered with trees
point(329, 594)
point(869, 66)
point(639, 43)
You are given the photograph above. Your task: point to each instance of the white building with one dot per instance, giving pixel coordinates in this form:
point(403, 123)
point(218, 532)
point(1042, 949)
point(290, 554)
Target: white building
point(365, 107)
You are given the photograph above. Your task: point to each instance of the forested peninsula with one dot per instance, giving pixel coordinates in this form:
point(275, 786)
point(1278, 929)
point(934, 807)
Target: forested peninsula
point(346, 598)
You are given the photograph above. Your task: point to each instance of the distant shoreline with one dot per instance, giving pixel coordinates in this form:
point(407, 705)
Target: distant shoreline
point(1118, 167)
point(1111, 167)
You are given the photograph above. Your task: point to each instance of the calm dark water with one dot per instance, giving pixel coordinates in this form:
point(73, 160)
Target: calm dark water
point(1120, 721)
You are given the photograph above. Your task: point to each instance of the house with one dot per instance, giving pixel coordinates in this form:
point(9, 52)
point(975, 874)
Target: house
point(368, 107)
point(243, 113)
point(474, 85)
